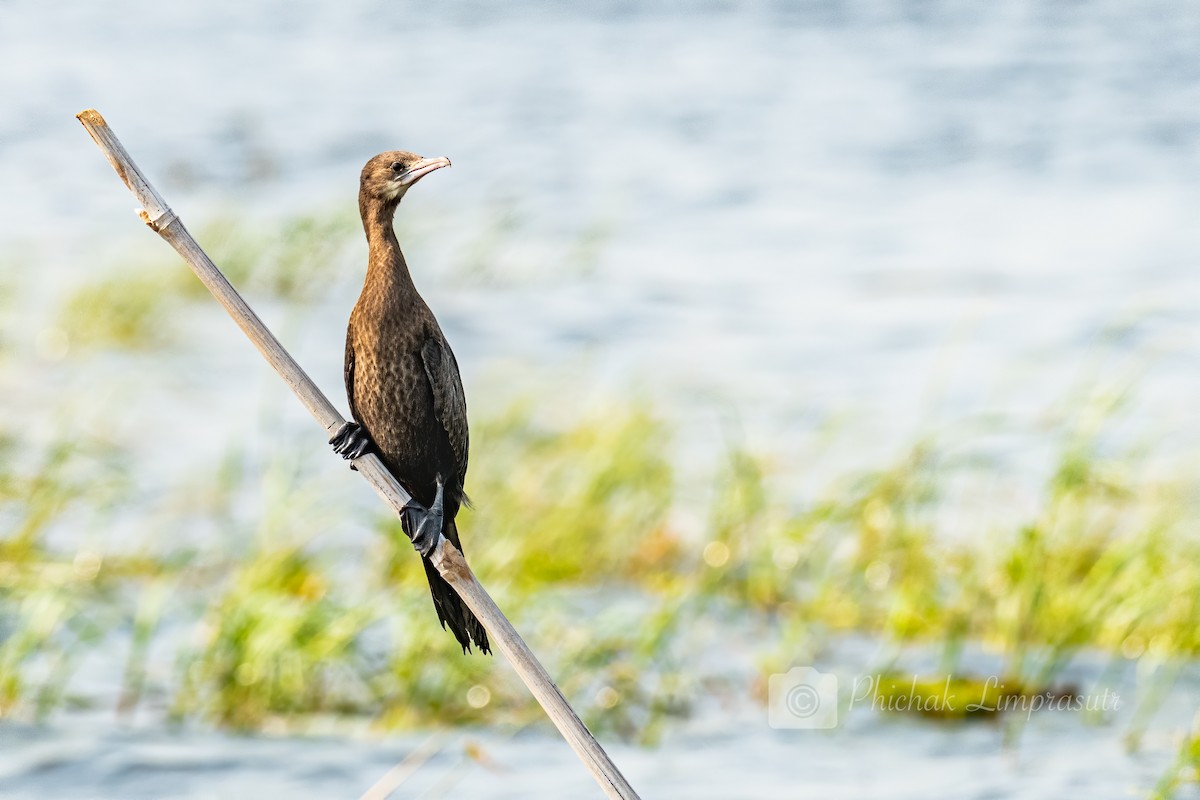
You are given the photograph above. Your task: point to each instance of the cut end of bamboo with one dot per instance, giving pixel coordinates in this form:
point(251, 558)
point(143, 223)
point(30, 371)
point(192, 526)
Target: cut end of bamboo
point(90, 116)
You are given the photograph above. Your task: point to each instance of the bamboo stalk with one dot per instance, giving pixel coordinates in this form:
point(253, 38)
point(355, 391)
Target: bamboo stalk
point(448, 559)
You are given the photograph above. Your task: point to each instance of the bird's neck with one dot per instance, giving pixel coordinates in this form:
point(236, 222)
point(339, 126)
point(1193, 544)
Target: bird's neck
point(386, 269)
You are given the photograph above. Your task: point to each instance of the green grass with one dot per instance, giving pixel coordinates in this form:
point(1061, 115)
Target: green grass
point(277, 641)
point(123, 310)
point(574, 534)
point(1185, 770)
point(134, 306)
point(294, 259)
point(54, 606)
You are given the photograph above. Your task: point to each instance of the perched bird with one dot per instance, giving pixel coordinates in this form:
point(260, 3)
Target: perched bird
point(405, 392)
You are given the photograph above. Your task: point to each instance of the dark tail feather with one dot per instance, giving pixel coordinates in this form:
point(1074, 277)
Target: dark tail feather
point(451, 609)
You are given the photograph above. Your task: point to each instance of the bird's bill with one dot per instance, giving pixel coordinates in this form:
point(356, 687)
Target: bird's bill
point(421, 169)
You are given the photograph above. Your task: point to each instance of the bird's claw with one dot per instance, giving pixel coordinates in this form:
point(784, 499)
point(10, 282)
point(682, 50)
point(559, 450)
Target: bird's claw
point(351, 441)
point(426, 523)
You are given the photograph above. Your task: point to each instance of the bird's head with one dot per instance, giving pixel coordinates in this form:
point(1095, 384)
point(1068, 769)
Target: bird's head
point(389, 175)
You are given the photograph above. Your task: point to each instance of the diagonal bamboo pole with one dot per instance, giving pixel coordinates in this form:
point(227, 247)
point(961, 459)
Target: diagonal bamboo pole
point(449, 561)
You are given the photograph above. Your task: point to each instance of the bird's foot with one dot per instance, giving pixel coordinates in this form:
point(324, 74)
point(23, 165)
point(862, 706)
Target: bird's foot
point(351, 441)
point(426, 523)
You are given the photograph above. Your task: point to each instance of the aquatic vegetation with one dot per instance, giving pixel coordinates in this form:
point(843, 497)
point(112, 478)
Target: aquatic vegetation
point(1185, 770)
point(54, 606)
point(592, 499)
point(128, 310)
point(277, 642)
point(950, 697)
point(133, 307)
point(294, 259)
point(285, 631)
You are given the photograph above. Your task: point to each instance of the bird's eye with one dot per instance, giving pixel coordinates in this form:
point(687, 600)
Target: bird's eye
point(398, 166)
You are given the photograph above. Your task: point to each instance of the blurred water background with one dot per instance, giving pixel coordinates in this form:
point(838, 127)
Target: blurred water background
point(815, 232)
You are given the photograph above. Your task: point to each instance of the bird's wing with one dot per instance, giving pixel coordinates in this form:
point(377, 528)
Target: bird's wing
point(449, 400)
point(350, 376)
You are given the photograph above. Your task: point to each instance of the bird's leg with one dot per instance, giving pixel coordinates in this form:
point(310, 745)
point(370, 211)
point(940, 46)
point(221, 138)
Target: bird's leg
point(351, 441)
point(426, 523)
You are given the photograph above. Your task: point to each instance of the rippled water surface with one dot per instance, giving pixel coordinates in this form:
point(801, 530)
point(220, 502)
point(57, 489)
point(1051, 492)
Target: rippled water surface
point(787, 213)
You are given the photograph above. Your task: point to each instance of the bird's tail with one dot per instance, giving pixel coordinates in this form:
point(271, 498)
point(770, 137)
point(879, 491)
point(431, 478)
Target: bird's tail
point(451, 609)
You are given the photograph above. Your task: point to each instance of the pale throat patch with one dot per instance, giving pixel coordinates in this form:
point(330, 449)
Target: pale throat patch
point(395, 190)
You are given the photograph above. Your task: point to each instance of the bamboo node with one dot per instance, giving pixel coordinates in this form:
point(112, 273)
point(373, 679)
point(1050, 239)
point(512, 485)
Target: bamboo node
point(159, 223)
point(450, 563)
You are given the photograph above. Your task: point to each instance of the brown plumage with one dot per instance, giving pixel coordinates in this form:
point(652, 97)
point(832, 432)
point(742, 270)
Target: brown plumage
point(402, 378)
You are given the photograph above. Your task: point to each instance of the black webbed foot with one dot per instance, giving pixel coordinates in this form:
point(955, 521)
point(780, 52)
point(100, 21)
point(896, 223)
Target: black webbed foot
point(351, 441)
point(426, 523)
